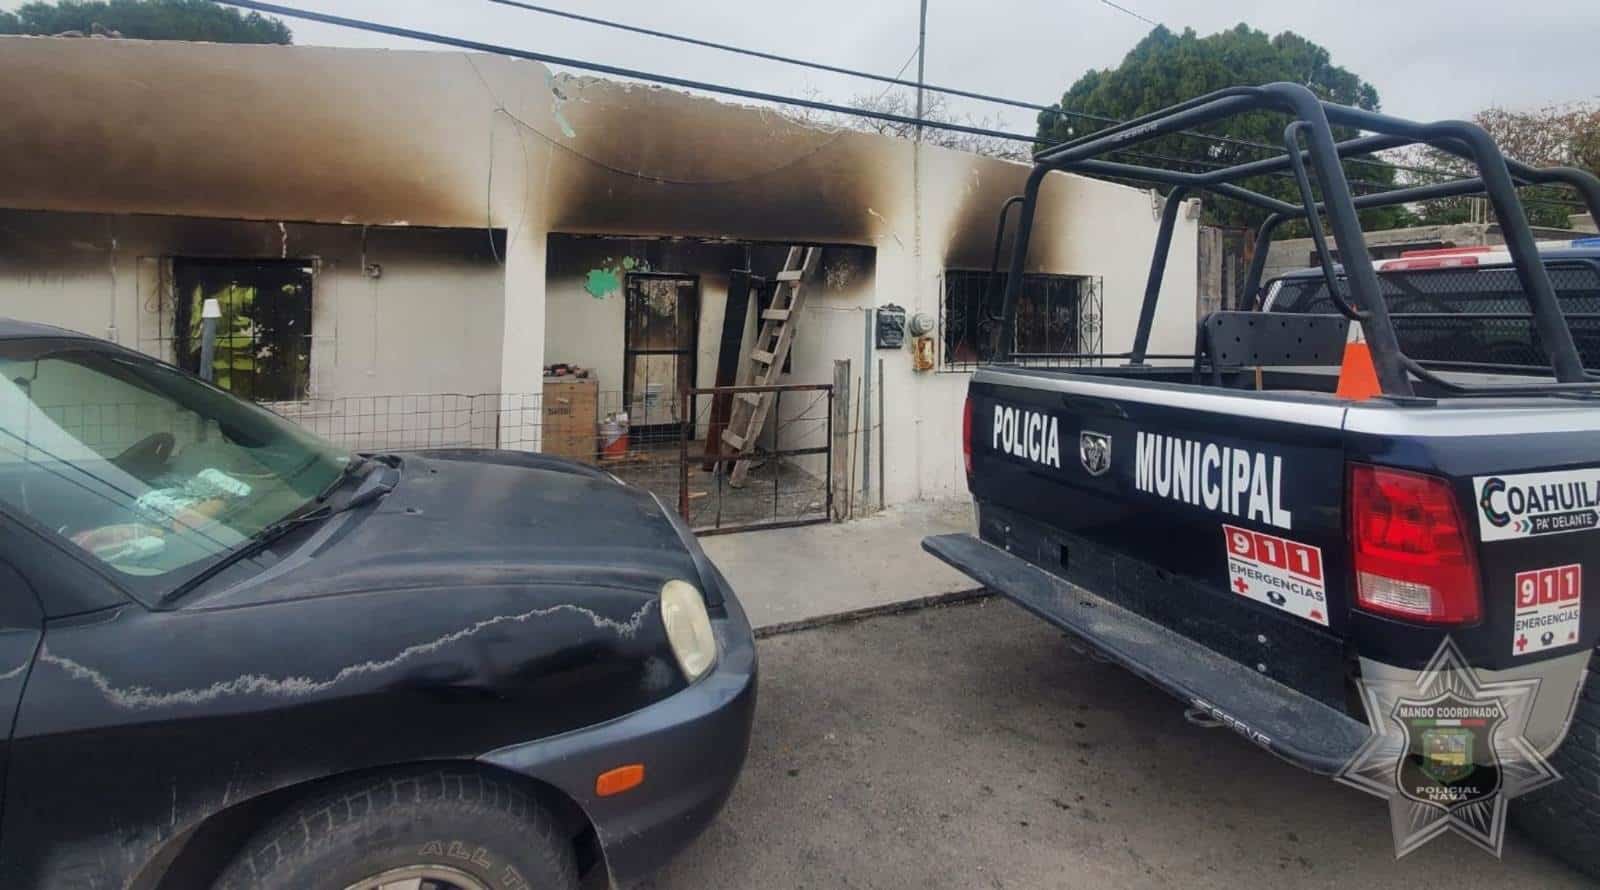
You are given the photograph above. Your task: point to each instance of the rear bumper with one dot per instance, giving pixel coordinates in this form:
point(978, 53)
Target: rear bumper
point(1290, 724)
point(693, 746)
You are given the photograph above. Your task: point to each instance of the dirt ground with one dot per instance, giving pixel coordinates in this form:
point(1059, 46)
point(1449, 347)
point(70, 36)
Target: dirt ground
point(775, 491)
point(969, 746)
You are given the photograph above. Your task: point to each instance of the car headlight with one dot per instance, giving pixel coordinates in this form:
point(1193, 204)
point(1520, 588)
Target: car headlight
point(683, 611)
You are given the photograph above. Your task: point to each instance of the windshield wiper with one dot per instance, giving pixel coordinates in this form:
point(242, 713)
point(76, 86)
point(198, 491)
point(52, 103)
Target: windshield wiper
point(346, 473)
point(257, 543)
point(374, 486)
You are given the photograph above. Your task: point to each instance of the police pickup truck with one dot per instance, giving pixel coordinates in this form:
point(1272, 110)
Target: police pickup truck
point(1248, 530)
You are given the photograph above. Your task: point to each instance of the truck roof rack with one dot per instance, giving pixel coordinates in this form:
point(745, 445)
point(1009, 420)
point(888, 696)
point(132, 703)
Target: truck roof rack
point(1313, 120)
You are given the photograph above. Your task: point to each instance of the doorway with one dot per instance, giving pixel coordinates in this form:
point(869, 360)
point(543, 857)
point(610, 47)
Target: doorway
point(660, 339)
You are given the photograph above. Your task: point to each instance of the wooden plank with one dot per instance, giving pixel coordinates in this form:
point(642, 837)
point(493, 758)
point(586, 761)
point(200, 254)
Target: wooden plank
point(734, 318)
point(790, 274)
point(762, 356)
point(775, 314)
point(734, 440)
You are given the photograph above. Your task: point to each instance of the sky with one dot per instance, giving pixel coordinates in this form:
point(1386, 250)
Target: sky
point(1429, 59)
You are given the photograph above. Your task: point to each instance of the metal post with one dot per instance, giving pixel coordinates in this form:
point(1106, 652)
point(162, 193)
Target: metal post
point(684, 430)
point(827, 507)
point(882, 452)
point(210, 311)
point(1158, 269)
point(839, 437)
point(866, 415)
point(922, 51)
point(777, 447)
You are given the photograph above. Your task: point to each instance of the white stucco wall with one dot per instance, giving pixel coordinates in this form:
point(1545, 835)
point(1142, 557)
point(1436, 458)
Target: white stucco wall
point(429, 323)
point(118, 130)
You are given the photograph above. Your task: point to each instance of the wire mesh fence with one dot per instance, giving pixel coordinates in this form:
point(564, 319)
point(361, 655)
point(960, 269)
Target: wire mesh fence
point(787, 480)
point(574, 419)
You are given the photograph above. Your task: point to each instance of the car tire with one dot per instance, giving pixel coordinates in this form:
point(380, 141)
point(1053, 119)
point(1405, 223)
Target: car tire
point(1564, 818)
point(447, 826)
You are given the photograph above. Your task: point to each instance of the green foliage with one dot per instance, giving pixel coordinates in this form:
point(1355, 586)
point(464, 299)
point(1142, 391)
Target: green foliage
point(1553, 136)
point(146, 20)
point(1166, 68)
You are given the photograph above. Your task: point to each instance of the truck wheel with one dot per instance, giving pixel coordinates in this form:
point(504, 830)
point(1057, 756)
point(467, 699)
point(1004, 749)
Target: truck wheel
point(445, 829)
point(1564, 818)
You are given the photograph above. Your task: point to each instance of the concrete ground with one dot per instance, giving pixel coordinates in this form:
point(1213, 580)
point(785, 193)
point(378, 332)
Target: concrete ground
point(798, 575)
point(970, 746)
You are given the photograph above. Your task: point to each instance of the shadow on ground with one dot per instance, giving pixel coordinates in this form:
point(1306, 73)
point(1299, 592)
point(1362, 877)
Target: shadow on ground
point(969, 746)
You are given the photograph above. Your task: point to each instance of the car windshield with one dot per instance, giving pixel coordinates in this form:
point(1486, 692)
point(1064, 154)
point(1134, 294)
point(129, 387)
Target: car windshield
point(146, 469)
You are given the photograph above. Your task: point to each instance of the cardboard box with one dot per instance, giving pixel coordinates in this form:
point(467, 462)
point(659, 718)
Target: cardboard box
point(571, 417)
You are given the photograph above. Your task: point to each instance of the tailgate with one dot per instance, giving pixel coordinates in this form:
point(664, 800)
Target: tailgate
point(1215, 514)
point(1527, 477)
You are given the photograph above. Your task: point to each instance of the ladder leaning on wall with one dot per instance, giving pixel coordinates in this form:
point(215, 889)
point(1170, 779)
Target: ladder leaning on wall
point(750, 409)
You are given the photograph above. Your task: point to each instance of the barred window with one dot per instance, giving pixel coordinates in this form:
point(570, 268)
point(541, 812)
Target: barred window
point(1058, 317)
point(263, 348)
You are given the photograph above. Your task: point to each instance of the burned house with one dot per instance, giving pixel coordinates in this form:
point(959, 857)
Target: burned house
point(403, 242)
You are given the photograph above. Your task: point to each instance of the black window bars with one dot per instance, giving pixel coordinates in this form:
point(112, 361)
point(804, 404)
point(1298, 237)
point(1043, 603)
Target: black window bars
point(1313, 119)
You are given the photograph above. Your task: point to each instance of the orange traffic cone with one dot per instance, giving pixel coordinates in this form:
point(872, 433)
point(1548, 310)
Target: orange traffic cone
point(1358, 379)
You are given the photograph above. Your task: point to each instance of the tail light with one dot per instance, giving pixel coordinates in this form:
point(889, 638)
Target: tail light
point(966, 435)
point(1410, 550)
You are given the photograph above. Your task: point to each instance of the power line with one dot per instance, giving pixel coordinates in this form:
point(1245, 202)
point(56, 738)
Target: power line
point(602, 68)
point(687, 83)
point(896, 80)
point(1132, 13)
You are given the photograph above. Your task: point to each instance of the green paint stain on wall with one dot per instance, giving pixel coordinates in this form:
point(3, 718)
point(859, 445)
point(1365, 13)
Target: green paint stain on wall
point(602, 283)
point(628, 263)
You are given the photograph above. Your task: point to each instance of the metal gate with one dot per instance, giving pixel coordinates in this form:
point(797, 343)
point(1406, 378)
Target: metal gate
point(791, 480)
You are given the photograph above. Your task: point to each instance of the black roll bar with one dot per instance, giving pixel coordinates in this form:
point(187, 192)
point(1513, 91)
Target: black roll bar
point(1313, 120)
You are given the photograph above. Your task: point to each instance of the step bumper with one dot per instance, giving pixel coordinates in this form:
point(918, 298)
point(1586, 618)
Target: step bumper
point(1291, 725)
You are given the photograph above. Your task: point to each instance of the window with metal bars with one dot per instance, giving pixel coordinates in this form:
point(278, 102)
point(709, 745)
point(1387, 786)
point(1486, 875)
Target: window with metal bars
point(263, 347)
point(1058, 318)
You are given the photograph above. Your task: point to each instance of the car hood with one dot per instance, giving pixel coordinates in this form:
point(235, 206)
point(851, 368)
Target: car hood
point(480, 519)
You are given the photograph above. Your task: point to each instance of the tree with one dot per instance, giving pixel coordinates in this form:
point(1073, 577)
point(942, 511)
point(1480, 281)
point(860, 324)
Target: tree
point(145, 20)
point(1555, 135)
point(1166, 68)
point(936, 107)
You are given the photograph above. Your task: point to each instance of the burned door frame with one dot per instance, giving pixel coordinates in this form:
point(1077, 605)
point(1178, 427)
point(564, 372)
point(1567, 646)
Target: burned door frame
point(660, 432)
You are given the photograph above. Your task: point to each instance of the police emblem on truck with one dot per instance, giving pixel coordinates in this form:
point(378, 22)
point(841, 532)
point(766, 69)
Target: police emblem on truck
point(1094, 451)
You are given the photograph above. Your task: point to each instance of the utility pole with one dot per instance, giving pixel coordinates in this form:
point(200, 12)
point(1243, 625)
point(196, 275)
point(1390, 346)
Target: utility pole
point(922, 53)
